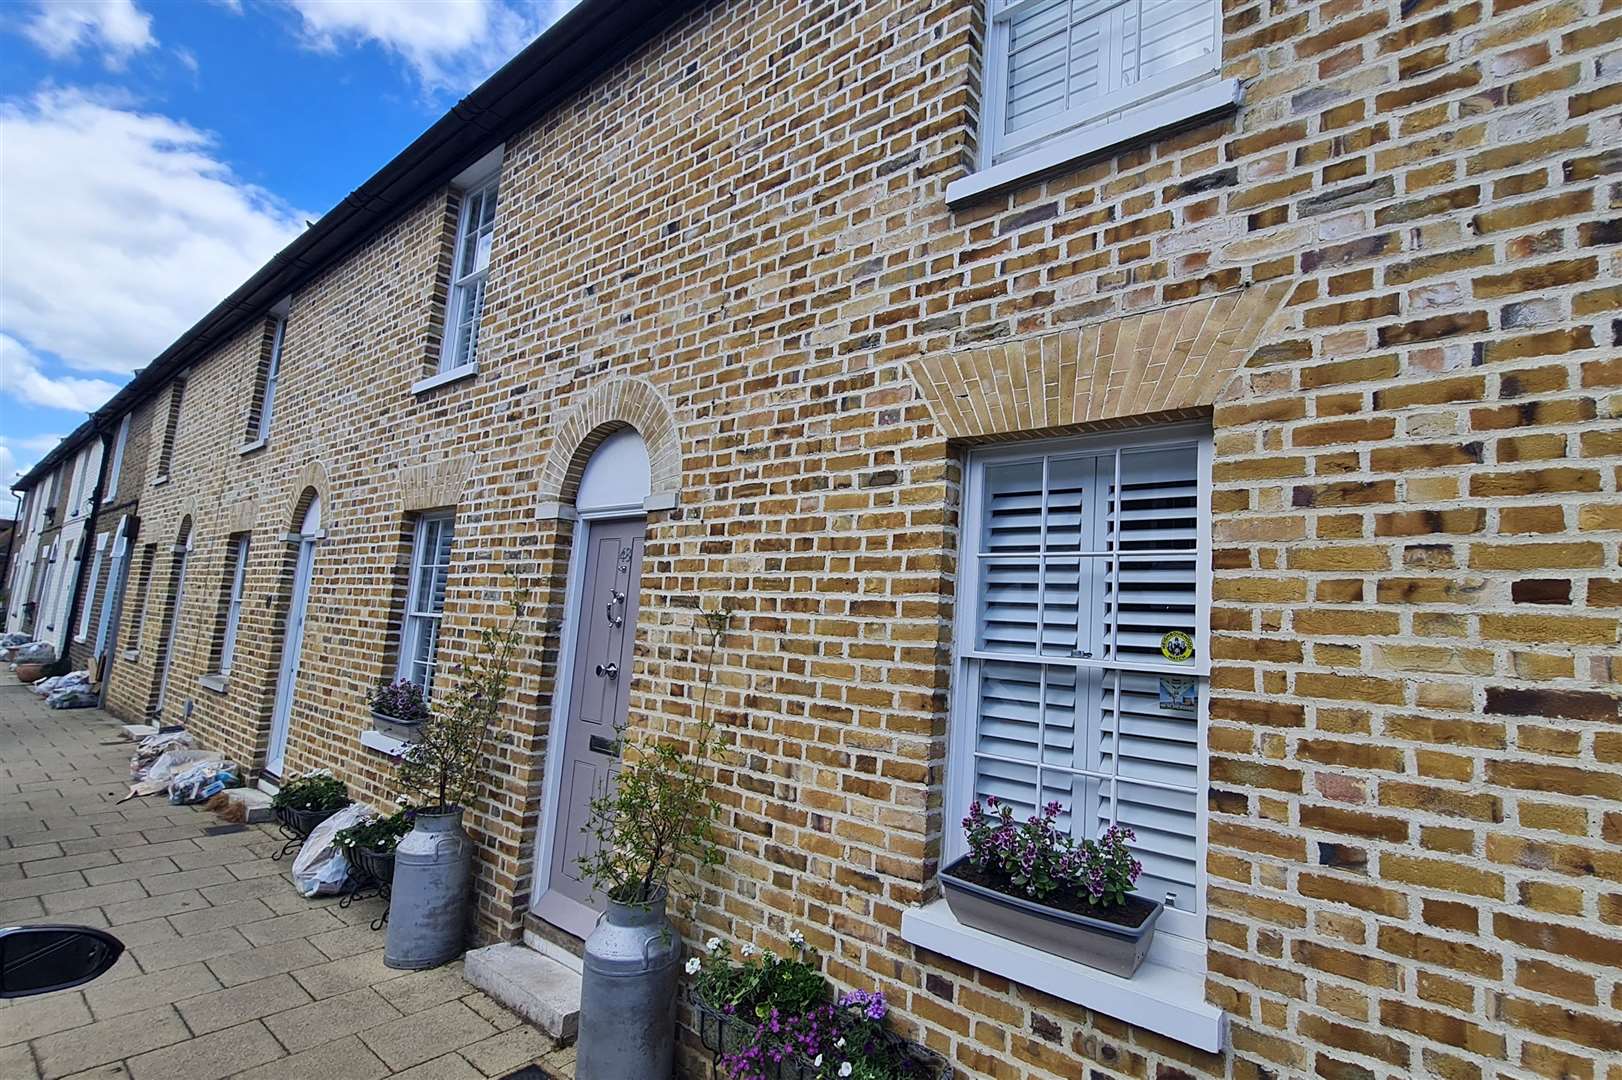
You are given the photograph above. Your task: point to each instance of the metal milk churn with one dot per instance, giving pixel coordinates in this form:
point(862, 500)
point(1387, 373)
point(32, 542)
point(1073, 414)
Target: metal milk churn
point(428, 901)
point(628, 995)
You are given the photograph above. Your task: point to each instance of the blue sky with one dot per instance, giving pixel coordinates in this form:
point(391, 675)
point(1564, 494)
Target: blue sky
point(153, 153)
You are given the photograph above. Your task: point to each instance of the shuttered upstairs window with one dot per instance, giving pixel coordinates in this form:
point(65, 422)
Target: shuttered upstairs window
point(1079, 562)
point(1055, 66)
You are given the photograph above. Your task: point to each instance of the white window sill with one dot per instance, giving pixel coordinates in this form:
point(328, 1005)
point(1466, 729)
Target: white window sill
point(1174, 109)
point(217, 683)
point(131, 654)
point(1168, 1000)
point(248, 448)
point(159, 481)
point(384, 744)
point(466, 371)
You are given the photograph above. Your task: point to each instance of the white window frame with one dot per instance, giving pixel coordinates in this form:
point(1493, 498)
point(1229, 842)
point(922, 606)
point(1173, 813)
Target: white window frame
point(273, 372)
point(117, 575)
point(464, 278)
point(1191, 89)
point(960, 772)
point(233, 604)
point(415, 622)
point(83, 630)
point(113, 472)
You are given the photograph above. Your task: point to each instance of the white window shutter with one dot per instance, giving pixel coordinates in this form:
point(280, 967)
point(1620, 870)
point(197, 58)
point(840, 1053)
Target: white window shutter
point(1084, 562)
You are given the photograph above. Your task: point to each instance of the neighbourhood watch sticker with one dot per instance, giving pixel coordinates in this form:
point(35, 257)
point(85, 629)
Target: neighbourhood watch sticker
point(1177, 647)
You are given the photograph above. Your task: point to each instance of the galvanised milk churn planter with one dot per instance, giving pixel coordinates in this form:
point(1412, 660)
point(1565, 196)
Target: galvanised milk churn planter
point(428, 897)
point(628, 995)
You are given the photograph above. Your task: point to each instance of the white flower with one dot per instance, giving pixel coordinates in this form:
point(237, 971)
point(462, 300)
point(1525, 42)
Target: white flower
point(845, 1068)
point(693, 965)
point(841, 1043)
point(712, 945)
point(818, 1062)
point(748, 951)
point(796, 939)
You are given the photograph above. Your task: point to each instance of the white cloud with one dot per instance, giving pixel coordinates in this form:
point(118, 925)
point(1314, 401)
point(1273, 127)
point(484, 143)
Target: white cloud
point(117, 27)
point(450, 44)
point(17, 456)
point(121, 229)
point(20, 376)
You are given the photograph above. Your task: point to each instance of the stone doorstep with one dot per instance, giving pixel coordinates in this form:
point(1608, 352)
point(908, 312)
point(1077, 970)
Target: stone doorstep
point(536, 987)
point(254, 805)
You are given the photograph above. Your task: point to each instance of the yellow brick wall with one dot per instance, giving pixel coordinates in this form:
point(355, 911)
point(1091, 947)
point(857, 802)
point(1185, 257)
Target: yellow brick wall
point(1416, 762)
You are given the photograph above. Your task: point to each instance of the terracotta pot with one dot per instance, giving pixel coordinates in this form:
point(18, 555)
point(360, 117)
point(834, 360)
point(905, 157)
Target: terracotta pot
point(30, 673)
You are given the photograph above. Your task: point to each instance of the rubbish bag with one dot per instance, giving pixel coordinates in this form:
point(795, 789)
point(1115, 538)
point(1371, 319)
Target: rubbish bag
point(202, 782)
point(72, 696)
point(153, 747)
point(321, 867)
point(14, 639)
point(35, 652)
point(167, 767)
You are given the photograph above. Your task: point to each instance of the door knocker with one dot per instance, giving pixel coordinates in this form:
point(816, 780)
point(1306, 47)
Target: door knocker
point(616, 598)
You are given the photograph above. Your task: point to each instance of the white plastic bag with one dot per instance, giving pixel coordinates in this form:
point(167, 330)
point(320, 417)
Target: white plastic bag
point(321, 867)
point(167, 767)
point(151, 748)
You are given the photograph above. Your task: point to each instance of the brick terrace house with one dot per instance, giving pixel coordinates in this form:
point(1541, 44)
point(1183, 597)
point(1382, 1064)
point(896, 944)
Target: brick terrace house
point(968, 349)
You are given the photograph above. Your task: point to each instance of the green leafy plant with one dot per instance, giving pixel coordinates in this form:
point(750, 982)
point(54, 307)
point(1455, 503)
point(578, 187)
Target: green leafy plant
point(661, 809)
point(378, 834)
point(762, 981)
point(793, 1013)
point(446, 767)
point(318, 790)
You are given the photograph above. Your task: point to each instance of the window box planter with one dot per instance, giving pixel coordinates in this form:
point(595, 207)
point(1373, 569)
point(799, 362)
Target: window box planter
point(1116, 947)
point(395, 729)
point(727, 1033)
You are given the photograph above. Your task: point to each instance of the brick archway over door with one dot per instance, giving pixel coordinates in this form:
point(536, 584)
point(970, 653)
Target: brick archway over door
point(618, 403)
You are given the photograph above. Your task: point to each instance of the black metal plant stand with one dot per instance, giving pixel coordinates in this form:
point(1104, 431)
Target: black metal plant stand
point(296, 826)
point(373, 874)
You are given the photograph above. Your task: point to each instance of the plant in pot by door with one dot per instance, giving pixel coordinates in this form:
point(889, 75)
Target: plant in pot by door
point(398, 708)
point(369, 846)
point(304, 802)
point(1029, 882)
point(659, 815)
point(441, 774)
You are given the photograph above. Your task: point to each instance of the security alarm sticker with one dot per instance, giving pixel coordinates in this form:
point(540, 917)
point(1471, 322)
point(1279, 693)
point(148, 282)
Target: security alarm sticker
point(1178, 693)
point(1177, 647)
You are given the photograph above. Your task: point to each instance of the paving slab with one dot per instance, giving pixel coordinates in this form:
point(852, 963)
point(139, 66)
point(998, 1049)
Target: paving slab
point(34, 1017)
point(108, 1040)
point(249, 965)
point(107, 1000)
point(237, 1005)
point(209, 1057)
point(424, 1036)
point(325, 1021)
point(346, 1059)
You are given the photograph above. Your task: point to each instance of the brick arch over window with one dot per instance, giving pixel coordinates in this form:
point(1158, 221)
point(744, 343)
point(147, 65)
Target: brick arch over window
point(310, 482)
point(618, 403)
point(1170, 362)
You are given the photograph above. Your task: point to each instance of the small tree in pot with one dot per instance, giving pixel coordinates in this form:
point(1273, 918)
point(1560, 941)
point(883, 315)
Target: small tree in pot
point(441, 774)
point(658, 817)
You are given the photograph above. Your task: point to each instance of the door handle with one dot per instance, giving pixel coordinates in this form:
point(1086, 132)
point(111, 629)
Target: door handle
point(608, 671)
point(615, 597)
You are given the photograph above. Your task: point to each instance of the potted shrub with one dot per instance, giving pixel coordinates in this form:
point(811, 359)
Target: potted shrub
point(777, 1018)
point(1029, 882)
point(304, 802)
point(659, 814)
point(369, 846)
point(441, 774)
point(398, 708)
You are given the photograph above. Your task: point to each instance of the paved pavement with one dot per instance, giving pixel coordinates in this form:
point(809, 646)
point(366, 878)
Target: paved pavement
point(227, 970)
